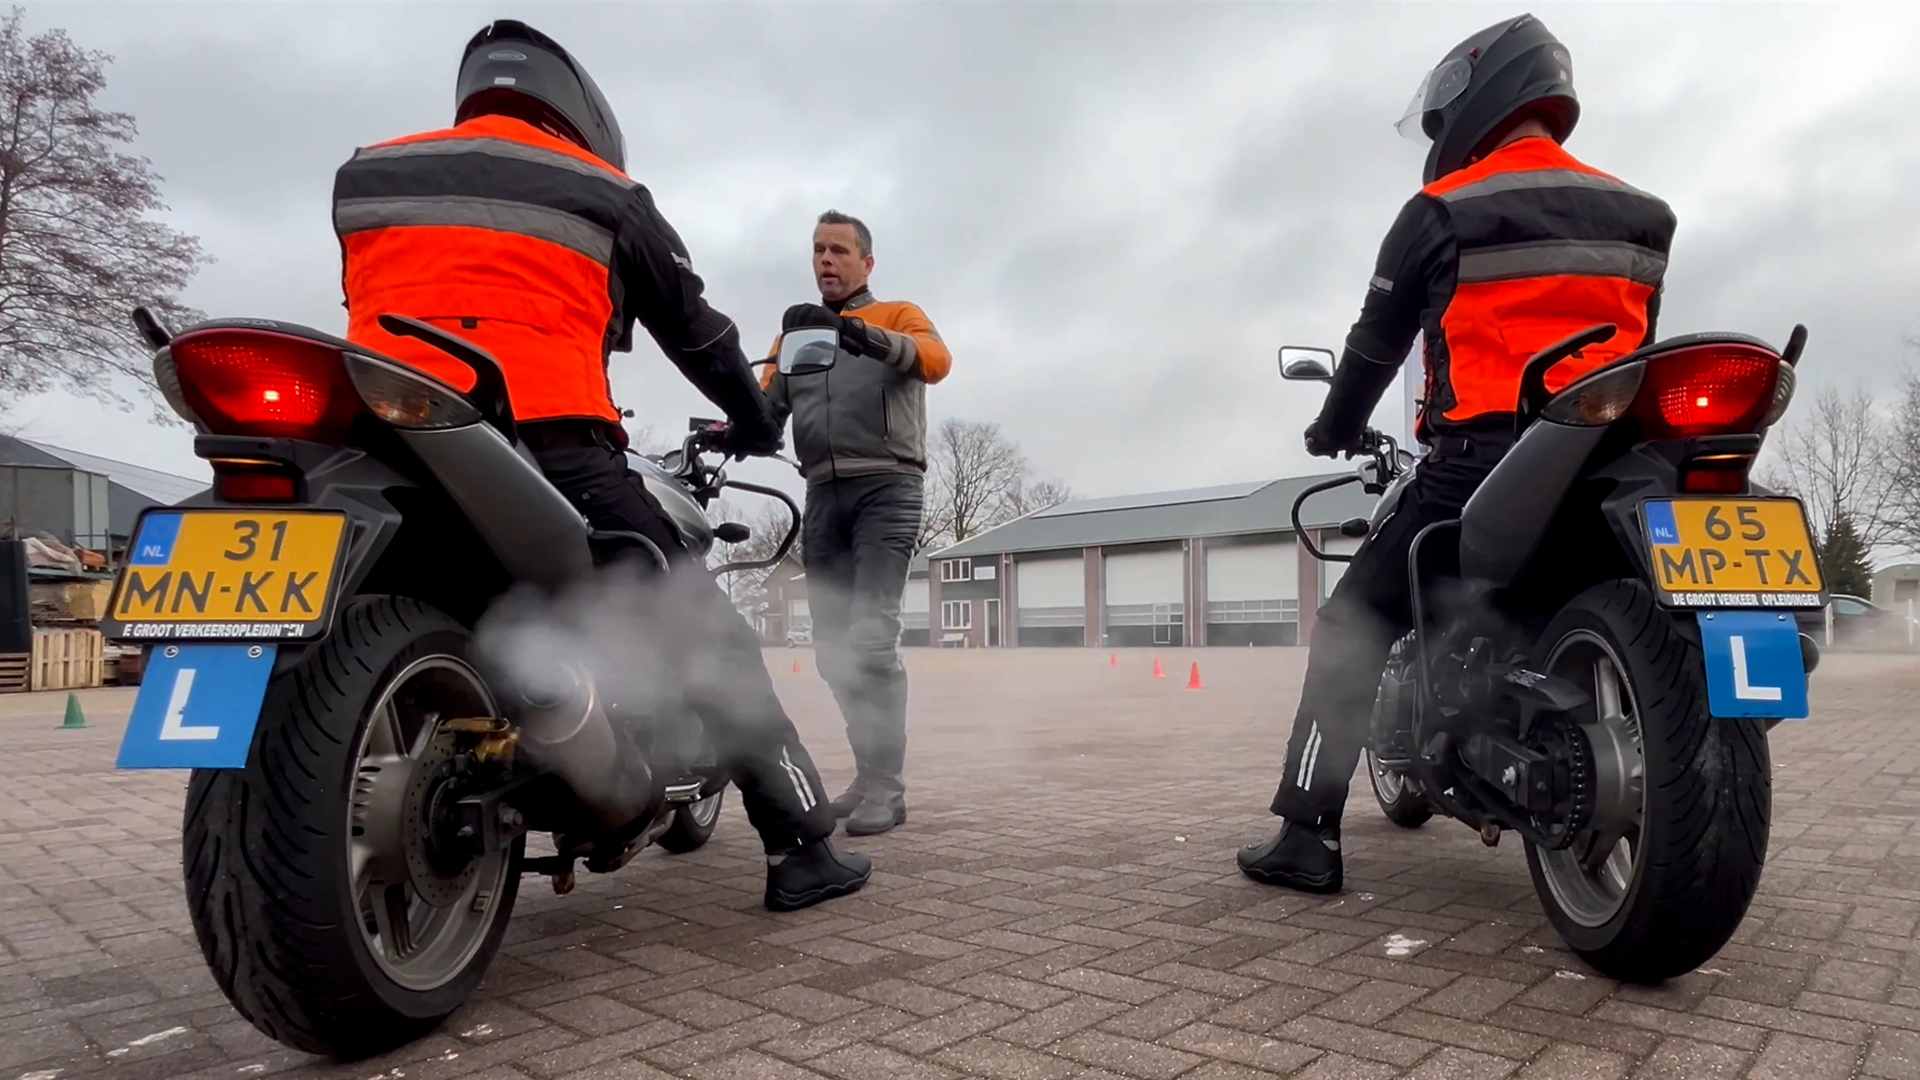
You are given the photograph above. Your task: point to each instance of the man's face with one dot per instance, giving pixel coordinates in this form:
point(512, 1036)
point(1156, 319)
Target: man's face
point(838, 266)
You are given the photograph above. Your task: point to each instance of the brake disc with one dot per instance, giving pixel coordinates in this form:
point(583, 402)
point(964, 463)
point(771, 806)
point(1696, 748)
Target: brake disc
point(432, 769)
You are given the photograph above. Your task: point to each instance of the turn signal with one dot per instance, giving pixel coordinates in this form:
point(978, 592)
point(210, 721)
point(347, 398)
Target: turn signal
point(407, 398)
point(1599, 398)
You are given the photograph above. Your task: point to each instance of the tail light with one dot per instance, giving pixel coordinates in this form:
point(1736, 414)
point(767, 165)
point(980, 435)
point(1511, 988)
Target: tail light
point(1713, 389)
point(1716, 388)
point(243, 381)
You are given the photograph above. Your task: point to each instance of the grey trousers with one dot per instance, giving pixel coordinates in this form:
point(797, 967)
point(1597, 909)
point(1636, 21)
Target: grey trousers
point(860, 535)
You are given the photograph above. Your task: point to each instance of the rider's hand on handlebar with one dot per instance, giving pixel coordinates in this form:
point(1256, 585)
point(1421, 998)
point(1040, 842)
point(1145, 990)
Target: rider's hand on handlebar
point(738, 442)
point(1322, 443)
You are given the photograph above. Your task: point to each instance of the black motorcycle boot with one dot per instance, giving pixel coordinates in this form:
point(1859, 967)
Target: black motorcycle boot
point(876, 814)
point(808, 874)
point(1303, 857)
point(850, 799)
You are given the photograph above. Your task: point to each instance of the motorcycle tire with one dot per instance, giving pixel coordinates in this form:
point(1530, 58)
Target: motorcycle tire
point(1705, 797)
point(1403, 803)
point(693, 824)
point(267, 849)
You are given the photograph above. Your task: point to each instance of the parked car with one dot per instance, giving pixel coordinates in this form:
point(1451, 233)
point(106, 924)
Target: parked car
point(798, 636)
point(1860, 622)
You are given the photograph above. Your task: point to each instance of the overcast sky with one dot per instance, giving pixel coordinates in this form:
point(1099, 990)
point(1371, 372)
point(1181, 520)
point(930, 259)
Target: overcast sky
point(1113, 213)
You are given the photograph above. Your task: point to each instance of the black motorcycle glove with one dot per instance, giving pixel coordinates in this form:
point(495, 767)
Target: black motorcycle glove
point(749, 441)
point(1323, 441)
point(854, 337)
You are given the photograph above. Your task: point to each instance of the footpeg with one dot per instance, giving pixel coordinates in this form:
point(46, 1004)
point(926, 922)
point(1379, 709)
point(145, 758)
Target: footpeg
point(685, 793)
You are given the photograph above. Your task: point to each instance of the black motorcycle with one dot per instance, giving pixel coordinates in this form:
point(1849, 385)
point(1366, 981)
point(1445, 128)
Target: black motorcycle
point(364, 780)
point(1602, 640)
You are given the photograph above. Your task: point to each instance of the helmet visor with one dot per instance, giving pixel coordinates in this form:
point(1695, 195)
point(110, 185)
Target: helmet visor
point(1436, 91)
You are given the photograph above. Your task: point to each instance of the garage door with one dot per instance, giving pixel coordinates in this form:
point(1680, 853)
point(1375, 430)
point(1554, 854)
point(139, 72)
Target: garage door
point(913, 612)
point(1253, 594)
point(1145, 598)
point(1052, 594)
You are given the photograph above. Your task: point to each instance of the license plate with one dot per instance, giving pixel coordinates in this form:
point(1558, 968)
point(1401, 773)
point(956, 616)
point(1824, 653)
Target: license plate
point(1732, 553)
point(1754, 667)
point(233, 575)
point(197, 708)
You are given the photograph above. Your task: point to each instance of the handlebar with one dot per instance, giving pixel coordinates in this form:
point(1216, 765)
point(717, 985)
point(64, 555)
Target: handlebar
point(1387, 466)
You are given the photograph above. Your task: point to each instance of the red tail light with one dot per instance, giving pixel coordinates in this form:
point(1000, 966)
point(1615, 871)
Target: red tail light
point(1713, 389)
point(242, 381)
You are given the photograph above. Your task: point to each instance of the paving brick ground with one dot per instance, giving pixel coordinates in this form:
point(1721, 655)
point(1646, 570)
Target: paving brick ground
point(1062, 906)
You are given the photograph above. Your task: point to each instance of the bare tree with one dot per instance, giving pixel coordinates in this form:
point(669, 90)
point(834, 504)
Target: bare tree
point(1833, 453)
point(979, 478)
point(1903, 464)
point(78, 250)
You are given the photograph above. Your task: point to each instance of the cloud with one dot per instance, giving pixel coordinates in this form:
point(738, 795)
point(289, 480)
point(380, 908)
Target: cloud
point(1114, 213)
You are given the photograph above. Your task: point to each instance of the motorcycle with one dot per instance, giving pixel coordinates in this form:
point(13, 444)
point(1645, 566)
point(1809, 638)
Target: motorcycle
point(1602, 640)
point(364, 780)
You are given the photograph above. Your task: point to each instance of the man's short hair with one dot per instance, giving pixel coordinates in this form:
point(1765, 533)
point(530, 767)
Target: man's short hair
point(860, 230)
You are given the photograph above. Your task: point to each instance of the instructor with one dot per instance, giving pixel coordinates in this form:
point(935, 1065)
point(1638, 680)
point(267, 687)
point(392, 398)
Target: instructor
point(860, 427)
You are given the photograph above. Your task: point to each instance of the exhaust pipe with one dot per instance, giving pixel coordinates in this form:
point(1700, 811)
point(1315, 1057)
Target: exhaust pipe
point(564, 727)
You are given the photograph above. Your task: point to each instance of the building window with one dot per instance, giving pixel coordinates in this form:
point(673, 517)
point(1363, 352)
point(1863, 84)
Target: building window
point(956, 570)
point(956, 614)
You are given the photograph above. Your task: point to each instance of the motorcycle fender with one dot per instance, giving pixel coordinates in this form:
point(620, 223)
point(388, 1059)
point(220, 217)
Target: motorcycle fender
point(1503, 523)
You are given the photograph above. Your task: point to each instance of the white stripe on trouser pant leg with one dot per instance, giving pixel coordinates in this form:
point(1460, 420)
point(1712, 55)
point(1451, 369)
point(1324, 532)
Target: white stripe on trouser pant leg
point(1309, 753)
point(800, 785)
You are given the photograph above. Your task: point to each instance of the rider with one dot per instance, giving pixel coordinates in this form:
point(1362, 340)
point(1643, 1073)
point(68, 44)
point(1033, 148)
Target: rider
point(1512, 246)
point(518, 230)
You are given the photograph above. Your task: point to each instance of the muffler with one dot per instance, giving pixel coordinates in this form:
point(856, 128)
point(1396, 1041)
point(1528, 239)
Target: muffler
point(564, 727)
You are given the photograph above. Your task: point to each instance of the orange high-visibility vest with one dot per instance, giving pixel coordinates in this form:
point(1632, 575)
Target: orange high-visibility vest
point(1548, 247)
point(498, 233)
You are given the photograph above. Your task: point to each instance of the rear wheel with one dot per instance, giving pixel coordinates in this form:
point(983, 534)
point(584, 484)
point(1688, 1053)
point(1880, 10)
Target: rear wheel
point(330, 916)
point(1662, 875)
point(693, 824)
point(1400, 798)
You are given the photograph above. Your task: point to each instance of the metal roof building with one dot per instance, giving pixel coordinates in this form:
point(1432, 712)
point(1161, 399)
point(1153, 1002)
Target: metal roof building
point(94, 514)
point(1206, 566)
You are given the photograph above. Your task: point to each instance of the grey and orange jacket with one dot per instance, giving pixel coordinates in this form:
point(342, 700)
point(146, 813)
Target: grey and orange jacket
point(865, 414)
point(1492, 264)
point(536, 251)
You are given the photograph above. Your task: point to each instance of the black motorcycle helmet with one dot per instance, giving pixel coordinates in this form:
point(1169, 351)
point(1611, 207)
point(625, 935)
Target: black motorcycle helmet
point(514, 70)
point(1489, 84)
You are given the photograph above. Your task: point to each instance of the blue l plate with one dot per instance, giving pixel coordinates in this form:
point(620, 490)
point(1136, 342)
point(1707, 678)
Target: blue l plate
point(197, 708)
point(1754, 668)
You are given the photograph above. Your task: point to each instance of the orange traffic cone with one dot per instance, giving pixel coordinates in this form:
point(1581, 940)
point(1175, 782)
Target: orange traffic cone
point(1157, 672)
point(1193, 680)
point(1113, 659)
point(796, 667)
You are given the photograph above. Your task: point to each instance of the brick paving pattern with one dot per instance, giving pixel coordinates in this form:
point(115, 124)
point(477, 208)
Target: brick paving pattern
point(1062, 906)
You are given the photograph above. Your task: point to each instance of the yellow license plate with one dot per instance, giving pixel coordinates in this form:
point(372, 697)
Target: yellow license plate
point(1732, 552)
point(228, 575)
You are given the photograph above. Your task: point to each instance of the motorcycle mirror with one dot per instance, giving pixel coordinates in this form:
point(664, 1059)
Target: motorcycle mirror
point(808, 350)
point(1303, 363)
point(1354, 528)
point(731, 532)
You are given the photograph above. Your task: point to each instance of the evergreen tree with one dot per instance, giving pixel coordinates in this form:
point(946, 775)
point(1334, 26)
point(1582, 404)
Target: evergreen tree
point(1844, 559)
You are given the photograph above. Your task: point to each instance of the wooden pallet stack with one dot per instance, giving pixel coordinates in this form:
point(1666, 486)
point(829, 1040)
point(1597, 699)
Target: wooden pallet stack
point(67, 659)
